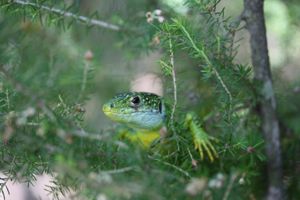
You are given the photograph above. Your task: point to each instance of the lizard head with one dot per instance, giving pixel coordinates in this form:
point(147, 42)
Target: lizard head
point(140, 110)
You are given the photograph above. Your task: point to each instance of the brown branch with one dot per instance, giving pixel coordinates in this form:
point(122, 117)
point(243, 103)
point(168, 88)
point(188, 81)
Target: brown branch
point(80, 18)
point(255, 22)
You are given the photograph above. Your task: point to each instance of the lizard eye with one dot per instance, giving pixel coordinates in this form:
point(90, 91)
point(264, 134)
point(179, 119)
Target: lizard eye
point(135, 101)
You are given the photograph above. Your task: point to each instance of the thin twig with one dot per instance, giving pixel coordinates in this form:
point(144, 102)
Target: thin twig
point(81, 18)
point(171, 165)
point(119, 171)
point(190, 154)
point(174, 84)
point(225, 88)
point(172, 63)
point(83, 134)
point(230, 185)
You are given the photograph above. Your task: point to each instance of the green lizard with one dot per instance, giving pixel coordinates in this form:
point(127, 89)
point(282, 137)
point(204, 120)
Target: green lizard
point(146, 113)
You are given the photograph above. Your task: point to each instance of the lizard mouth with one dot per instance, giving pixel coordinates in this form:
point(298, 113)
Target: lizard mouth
point(141, 119)
point(110, 111)
point(128, 113)
point(118, 115)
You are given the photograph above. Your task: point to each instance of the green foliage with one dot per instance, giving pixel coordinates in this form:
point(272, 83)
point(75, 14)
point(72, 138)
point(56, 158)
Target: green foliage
point(47, 76)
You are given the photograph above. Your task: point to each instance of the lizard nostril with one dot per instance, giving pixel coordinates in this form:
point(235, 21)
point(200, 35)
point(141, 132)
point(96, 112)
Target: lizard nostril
point(112, 105)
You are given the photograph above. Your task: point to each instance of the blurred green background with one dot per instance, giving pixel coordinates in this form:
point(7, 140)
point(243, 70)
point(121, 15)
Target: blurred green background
point(48, 62)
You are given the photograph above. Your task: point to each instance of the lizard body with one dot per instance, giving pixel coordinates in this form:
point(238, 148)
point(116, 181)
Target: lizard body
point(146, 114)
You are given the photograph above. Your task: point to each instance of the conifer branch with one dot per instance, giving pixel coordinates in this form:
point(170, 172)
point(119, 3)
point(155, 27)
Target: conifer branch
point(208, 62)
point(66, 14)
point(27, 92)
point(171, 165)
point(78, 131)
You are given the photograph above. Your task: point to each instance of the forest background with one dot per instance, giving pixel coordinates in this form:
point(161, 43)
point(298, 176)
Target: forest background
point(61, 60)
